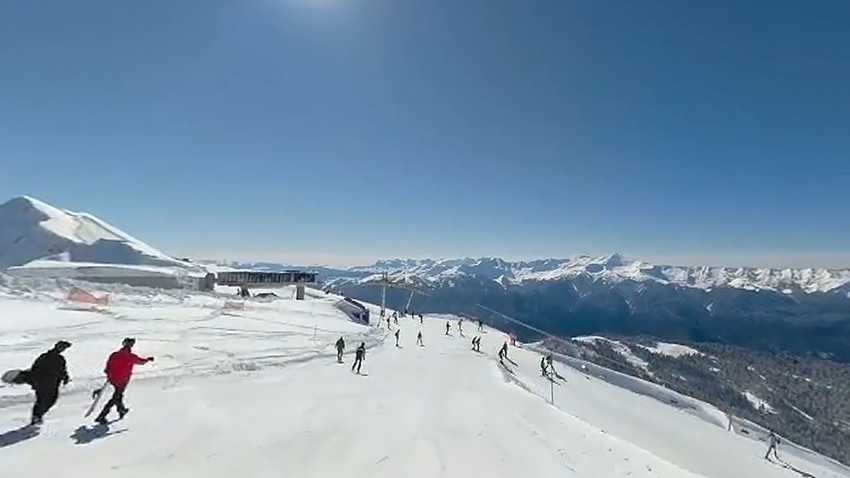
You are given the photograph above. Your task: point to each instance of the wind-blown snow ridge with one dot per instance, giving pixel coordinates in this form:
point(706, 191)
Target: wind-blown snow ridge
point(31, 230)
point(615, 268)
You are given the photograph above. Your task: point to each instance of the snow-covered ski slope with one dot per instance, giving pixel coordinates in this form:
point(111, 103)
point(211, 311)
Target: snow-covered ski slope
point(257, 392)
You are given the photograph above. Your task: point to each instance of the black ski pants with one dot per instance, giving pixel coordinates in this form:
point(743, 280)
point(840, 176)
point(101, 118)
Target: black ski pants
point(46, 394)
point(357, 363)
point(117, 401)
point(773, 449)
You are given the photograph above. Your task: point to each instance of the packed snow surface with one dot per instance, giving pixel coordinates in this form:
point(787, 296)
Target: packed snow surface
point(252, 388)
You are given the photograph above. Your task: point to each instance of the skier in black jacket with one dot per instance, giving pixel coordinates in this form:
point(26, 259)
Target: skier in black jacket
point(340, 347)
point(47, 372)
point(359, 354)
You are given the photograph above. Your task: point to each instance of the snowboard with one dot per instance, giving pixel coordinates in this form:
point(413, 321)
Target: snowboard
point(16, 377)
point(96, 395)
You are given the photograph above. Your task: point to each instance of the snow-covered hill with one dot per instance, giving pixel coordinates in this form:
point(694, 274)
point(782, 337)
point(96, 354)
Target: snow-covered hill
point(609, 269)
point(33, 230)
point(255, 391)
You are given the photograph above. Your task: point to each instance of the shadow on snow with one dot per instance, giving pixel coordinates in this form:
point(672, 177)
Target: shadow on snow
point(18, 435)
point(85, 435)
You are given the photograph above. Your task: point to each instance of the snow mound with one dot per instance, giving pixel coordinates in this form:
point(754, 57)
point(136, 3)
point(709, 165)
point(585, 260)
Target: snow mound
point(31, 230)
point(618, 347)
point(758, 403)
point(671, 350)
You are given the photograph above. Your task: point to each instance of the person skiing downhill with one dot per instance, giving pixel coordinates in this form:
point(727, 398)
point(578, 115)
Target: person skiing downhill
point(420, 318)
point(359, 355)
point(119, 371)
point(448, 326)
point(397, 332)
point(46, 374)
point(542, 366)
point(460, 326)
point(474, 342)
point(340, 347)
point(772, 441)
point(503, 352)
point(419, 341)
point(480, 325)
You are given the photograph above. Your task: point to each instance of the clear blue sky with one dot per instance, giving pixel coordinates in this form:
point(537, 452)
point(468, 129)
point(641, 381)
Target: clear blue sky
point(340, 131)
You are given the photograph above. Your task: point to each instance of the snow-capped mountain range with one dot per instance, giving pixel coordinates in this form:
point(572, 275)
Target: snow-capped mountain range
point(610, 269)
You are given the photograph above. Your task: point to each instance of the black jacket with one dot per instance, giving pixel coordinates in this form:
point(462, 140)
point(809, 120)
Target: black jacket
point(340, 344)
point(360, 352)
point(49, 369)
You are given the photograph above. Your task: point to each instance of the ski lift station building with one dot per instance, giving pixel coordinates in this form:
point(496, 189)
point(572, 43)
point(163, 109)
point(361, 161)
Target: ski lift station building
point(266, 280)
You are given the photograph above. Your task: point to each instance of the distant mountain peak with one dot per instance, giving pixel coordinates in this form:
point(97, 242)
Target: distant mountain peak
point(31, 229)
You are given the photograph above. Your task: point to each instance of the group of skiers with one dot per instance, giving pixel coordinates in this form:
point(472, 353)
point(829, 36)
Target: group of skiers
point(359, 354)
point(50, 370)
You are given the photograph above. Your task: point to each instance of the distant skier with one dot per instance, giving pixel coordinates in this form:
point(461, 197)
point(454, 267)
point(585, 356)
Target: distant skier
point(475, 343)
point(420, 318)
point(543, 367)
point(119, 371)
point(448, 327)
point(772, 441)
point(359, 355)
point(340, 347)
point(397, 332)
point(48, 371)
point(460, 326)
point(389, 325)
point(480, 325)
point(419, 341)
point(503, 352)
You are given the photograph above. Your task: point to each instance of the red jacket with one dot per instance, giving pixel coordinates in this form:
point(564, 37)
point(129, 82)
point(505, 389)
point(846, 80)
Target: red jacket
point(119, 367)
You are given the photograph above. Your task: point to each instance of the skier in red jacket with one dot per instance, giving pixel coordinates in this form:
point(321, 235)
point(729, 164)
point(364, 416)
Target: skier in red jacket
point(119, 369)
